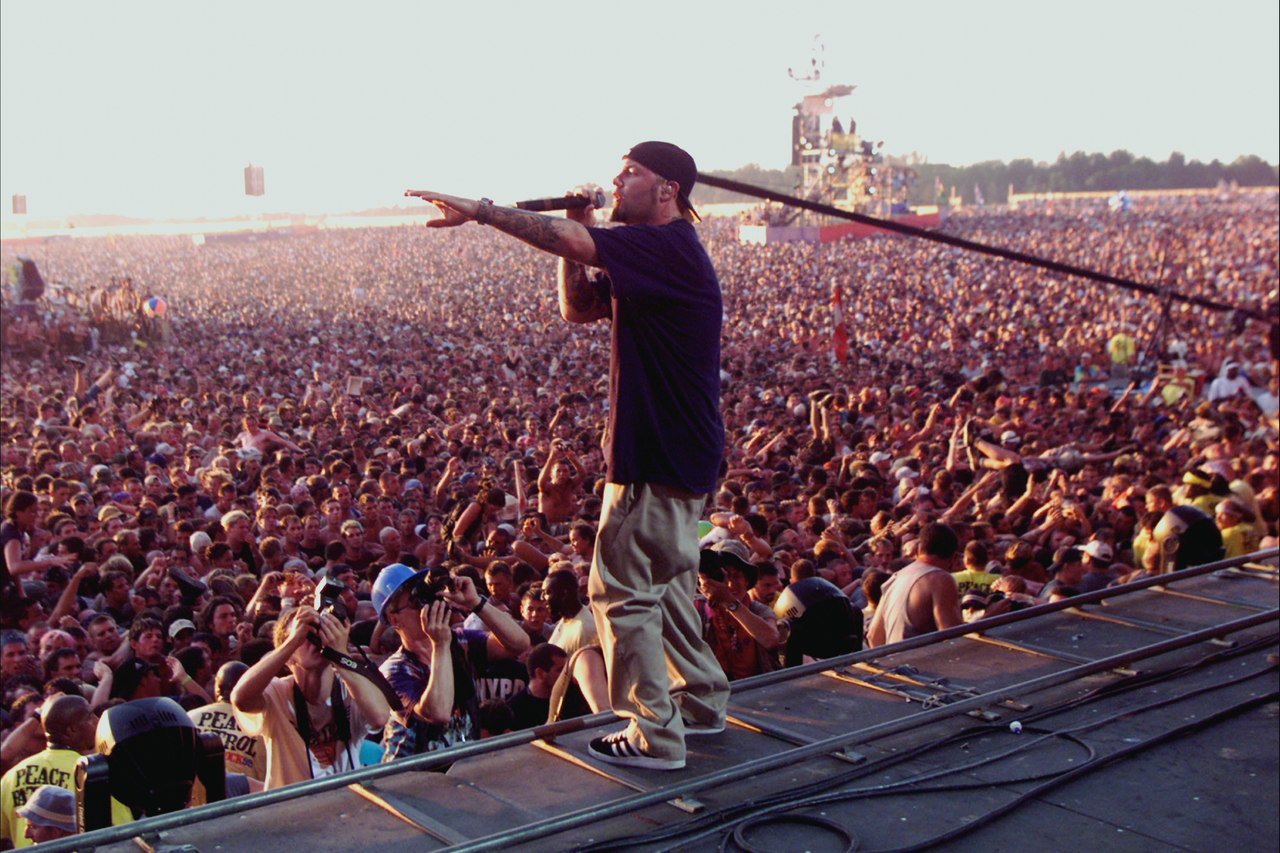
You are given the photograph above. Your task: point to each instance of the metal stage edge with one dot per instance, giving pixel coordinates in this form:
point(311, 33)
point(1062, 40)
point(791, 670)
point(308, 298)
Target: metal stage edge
point(1140, 717)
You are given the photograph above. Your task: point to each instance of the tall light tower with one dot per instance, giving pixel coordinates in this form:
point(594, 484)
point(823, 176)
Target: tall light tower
point(839, 166)
point(253, 180)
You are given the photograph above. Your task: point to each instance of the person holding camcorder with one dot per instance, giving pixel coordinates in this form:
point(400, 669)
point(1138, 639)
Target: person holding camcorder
point(432, 672)
point(313, 721)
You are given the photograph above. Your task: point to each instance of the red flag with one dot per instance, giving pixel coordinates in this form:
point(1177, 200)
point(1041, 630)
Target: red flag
point(840, 336)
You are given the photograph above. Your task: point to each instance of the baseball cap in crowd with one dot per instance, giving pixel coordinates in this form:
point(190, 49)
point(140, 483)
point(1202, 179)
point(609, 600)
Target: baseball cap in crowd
point(222, 586)
point(129, 676)
point(973, 599)
point(180, 625)
point(878, 457)
point(1009, 437)
point(50, 806)
point(508, 530)
point(672, 163)
point(723, 554)
point(1100, 551)
point(109, 512)
point(80, 498)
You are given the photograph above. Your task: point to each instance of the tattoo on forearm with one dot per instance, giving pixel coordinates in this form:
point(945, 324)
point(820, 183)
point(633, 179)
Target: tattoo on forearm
point(534, 229)
point(579, 293)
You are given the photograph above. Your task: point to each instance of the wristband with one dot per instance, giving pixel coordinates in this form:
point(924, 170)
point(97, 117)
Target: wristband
point(484, 211)
point(475, 611)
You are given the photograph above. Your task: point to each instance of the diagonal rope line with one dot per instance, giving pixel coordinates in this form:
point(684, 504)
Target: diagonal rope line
point(960, 242)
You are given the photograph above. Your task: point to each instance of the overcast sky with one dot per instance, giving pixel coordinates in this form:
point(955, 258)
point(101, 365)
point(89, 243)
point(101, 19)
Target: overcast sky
point(155, 108)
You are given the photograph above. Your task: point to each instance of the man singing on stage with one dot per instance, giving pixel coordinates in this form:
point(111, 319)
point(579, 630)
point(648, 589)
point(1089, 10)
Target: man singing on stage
point(664, 444)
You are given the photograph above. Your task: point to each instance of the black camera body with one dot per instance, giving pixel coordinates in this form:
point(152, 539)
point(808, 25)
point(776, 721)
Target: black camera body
point(430, 587)
point(329, 599)
point(709, 565)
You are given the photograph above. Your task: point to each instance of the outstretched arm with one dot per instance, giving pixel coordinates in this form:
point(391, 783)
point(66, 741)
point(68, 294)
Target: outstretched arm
point(581, 299)
point(563, 237)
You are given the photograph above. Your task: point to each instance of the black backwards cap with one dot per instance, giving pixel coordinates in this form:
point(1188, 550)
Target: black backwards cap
point(672, 163)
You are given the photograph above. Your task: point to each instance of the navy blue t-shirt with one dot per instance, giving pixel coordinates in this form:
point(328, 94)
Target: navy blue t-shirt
point(664, 373)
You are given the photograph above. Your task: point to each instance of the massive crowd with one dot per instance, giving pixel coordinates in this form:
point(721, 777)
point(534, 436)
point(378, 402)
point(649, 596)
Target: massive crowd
point(329, 405)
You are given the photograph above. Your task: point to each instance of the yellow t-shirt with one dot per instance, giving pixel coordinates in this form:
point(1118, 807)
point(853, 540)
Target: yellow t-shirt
point(1141, 542)
point(1175, 389)
point(1121, 348)
point(51, 767)
point(1208, 503)
point(1240, 540)
point(974, 580)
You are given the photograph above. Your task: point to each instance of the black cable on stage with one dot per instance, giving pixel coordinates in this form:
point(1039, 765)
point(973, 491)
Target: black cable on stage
point(960, 242)
point(817, 793)
point(1055, 780)
point(1085, 769)
point(739, 834)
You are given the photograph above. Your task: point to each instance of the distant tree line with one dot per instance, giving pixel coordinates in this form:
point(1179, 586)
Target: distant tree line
point(1078, 172)
point(1081, 172)
point(783, 180)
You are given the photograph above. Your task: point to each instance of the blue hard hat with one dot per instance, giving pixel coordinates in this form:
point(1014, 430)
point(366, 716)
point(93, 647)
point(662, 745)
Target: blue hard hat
point(388, 583)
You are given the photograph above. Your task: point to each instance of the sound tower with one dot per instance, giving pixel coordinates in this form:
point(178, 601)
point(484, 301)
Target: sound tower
point(253, 180)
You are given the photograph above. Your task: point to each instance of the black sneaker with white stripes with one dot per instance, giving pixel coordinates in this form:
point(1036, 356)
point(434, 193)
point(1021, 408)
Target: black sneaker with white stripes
point(616, 749)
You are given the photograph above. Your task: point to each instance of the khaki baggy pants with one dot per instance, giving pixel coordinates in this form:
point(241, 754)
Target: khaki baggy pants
point(642, 584)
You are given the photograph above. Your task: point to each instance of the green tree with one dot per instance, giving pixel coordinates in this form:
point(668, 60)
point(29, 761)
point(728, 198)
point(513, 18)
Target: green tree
point(1119, 170)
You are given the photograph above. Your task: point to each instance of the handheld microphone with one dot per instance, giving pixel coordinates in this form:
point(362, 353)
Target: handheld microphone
point(567, 202)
